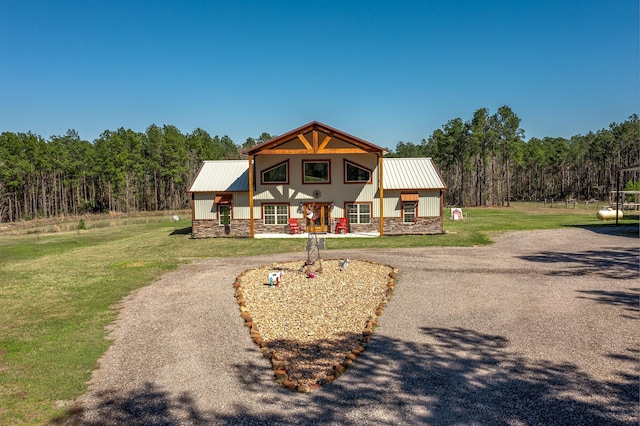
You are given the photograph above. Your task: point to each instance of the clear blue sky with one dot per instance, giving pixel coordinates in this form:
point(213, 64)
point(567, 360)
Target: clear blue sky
point(385, 71)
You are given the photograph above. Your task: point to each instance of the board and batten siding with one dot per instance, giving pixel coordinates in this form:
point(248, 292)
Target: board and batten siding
point(203, 204)
point(428, 205)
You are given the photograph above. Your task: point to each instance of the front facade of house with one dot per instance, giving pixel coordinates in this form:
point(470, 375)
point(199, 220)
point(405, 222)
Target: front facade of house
point(318, 169)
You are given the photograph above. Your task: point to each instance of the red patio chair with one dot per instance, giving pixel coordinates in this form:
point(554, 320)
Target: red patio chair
point(294, 227)
point(343, 226)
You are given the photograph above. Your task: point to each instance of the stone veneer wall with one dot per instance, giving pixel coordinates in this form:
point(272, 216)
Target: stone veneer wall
point(374, 226)
point(395, 226)
point(240, 228)
point(422, 226)
point(211, 229)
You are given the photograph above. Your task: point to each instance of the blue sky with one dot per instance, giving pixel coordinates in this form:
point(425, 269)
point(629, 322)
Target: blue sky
point(385, 71)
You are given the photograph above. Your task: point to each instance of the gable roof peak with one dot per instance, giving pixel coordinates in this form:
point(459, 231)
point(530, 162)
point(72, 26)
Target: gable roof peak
point(314, 126)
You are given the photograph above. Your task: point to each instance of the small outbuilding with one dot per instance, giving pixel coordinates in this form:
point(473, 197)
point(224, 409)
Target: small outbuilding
point(315, 168)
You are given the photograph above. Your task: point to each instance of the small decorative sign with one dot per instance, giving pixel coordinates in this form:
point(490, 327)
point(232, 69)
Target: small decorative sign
point(275, 278)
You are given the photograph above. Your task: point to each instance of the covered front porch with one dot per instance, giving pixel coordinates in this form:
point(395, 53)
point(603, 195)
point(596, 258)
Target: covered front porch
point(320, 235)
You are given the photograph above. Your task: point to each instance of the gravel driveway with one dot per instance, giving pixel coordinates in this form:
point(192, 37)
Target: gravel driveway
point(539, 328)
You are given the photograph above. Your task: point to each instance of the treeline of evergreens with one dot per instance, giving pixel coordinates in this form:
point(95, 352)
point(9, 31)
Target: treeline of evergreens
point(121, 171)
point(484, 161)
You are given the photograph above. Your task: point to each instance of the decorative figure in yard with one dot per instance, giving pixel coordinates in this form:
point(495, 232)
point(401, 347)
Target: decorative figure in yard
point(275, 278)
point(313, 248)
point(343, 264)
point(311, 212)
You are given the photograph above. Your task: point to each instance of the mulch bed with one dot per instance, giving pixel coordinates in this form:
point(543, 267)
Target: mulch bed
point(313, 328)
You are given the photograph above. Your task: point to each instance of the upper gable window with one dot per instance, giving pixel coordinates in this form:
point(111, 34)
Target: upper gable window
point(317, 171)
point(276, 174)
point(354, 173)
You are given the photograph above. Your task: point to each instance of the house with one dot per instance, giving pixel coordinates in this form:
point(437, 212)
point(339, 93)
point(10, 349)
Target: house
point(316, 168)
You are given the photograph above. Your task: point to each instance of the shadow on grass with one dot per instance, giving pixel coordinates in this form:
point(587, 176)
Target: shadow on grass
point(448, 376)
point(609, 262)
point(181, 231)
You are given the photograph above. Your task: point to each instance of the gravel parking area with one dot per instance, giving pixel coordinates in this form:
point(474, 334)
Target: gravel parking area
point(539, 328)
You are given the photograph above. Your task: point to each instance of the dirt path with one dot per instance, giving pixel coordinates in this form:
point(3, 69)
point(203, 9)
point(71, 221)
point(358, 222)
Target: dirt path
point(539, 328)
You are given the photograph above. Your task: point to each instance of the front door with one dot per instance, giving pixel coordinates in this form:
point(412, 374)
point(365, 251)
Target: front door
point(321, 218)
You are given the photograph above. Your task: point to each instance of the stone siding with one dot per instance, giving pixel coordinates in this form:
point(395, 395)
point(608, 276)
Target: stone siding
point(240, 228)
point(374, 226)
point(422, 226)
point(211, 229)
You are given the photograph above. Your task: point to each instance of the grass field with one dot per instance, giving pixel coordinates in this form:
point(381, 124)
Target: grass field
point(59, 289)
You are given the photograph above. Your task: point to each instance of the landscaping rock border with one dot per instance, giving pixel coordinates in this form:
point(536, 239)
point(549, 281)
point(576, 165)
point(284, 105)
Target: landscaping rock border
point(300, 361)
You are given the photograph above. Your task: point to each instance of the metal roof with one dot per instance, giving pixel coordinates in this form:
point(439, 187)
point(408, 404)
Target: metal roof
point(411, 173)
point(399, 173)
point(222, 175)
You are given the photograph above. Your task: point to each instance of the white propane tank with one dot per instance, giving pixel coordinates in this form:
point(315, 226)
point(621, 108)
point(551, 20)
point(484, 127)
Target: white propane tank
point(608, 214)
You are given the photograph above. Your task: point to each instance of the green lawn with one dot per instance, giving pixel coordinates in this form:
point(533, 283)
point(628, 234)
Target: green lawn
point(58, 289)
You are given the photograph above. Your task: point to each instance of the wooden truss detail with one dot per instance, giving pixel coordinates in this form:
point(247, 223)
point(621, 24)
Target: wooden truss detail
point(313, 147)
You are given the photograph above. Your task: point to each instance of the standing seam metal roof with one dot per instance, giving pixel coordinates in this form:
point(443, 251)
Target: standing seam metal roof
point(411, 173)
point(399, 173)
point(222, 175)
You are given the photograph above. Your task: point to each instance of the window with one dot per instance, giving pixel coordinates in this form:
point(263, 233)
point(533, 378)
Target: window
point(224, 214)
point(359, 213)
point(409, 211)
point(223, 203)
point(276, 174)
point(356, 174)
point(316, 171)
point(276, 214)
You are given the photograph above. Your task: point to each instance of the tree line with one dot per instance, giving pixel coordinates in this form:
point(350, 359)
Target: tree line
point(121, 171)
point(484, 161)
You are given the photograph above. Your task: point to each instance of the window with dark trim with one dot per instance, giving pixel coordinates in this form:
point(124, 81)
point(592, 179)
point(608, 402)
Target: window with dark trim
point(276, 214)
point(353, 173)
point(224, 214)
point(358, 212)
point(409, 211)
point(318, 171)
point(277, 174)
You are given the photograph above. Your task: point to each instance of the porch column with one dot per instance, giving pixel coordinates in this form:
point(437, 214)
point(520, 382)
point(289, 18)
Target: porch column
point(381, 192)
point(251, 230)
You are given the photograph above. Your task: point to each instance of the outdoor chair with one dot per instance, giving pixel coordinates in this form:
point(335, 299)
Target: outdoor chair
point(294, 227)
point(343, 226)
